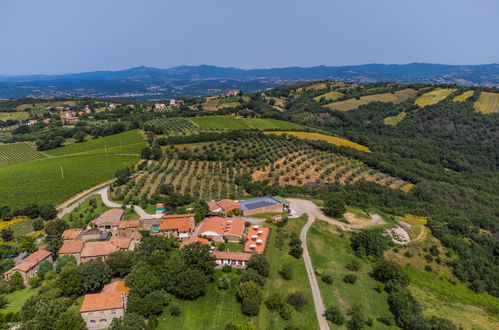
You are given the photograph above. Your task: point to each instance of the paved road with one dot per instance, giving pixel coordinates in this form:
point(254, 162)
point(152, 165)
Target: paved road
point(316, 292)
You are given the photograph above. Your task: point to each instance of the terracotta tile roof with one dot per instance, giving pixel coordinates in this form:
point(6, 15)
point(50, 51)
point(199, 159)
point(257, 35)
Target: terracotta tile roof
point(232, 255)
point(178, 224)
point(257, 239)
point(30, 261)
point(175, 216)
point(128, 224)
point(213, 206)
point(234, 227)
point(97, 249)
point(121, 242)
point(194, 239)
point(102, 301)
point(70, 247)
point(71, 234)
point(214, 224)
point(227, 204)
point(116, 287)
point(112, 216)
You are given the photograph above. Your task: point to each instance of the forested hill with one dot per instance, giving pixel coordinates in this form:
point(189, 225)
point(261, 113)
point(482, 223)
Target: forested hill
point(185, 81)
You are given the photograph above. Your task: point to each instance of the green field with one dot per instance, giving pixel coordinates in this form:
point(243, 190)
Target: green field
point(19, 115)
point(330, 252)
point(41, 182)
point(463, 97)
point(219, 307)
point(351, 104)
point(231, 122)
point(16, 153)
point(329, 96)
point(394, 120)
point(434, 96)
point(127, 142)
point(17, 299)
point(487, 103)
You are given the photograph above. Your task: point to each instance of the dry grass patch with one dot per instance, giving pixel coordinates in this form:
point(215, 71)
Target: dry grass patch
point(329, 96)
point(434, 96)
point(487, 103)
point(394, 120)
point(463, 97)
point(327, 138)
point(351, 104)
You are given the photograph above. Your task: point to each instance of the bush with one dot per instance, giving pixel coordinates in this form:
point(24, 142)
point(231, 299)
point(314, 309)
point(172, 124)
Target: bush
point(175, 310)
point(223, 283)
point(38, 224)
point(297, 300)
point(353, 265)
point(250, 307)
point(286, 272)
point(274, 301)
point(328, 279)
point(286, 311)
point(318, 271)
point(334, 314)
point(296, 251)
point(227, 268)
point(386, 319)
point(350, 278)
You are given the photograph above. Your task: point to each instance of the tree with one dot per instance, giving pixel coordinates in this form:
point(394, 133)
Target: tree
point(334, 205)
point(7, 234)
point(286, 271)
point(370, 242)
point(48, 212)
point(357, 318)
point(199, 256)
point(80, 136)
point(259, 263)
point(191, 283)
point(65, 260)
point(70, 320)
point(223, 282)
point(350, 278)
point(296, 251)
point(297, 300)
point(32, 211)
point(387, 271)
point(95, 275)
point(143, 280)
point(123, 176)
point(44, 267)
point(40, 312)
point(38, 224)
point(54, 230)
point(27, 243)
point(250, 307)
point(3, 302)
point(16, 282)
point(328, 279)
point(252, 275)
point(70, 281)
point(152, 304)
point(334, 315)
point(120, 262)
point(131, 321)
point(249, 290)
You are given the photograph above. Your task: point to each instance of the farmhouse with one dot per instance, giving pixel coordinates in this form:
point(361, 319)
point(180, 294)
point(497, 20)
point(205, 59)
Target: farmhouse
point(29, 266)
point(256, 239)
point(73, 248)
point(71, 234)
point(233, 259)
point(100, 309)
point(176, 227)
point(159, 106)
point(94, 250)
point(217, 228)
point(128, 229)
point(223, 207)
point(265, 204)
point(176, 103)
point(109, 220)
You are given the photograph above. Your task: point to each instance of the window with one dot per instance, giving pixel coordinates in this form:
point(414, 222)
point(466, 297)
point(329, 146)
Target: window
point(102, 320)
point(113, 312)
point(92, 321)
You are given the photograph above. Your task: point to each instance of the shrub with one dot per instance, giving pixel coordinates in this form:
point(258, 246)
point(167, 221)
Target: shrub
point(297, 300)
point(353, 265)
point(319, 271)
point(274, 301)
point(386, 319)
point(296, 251)
point(175, 310)
point(328, 279)
point(223, 283)
point(250, 307)
point(334, 314)
point(227, 268)
point(350, 278)
point(286, 271)
point(259, 263)
point(286, 311)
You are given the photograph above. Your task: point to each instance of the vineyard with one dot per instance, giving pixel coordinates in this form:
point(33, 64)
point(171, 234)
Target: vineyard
point(208, 170)
point(170, 126)
point(16, 153)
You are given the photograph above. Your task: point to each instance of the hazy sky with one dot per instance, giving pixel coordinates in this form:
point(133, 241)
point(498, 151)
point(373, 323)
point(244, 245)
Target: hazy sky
point(62, 36)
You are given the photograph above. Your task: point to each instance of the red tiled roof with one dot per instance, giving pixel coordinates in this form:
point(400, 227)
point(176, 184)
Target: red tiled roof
point(256, 244)
point(234, 227)
point(227, 204)
point(232, 255)
point(116, 287)
point(70, 234)
point(175, 216)
point(128, 224)
point(30, 261)
point(121, 242)
point(178, 224)
point(97, 249)
point(102, 301)
point(214, 224)
point(70, 247)
point(194, 239)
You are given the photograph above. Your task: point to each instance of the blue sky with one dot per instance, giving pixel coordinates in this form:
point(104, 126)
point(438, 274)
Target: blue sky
point(62, 36)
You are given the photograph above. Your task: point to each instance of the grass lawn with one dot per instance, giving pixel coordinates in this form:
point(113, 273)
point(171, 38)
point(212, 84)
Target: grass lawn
point(40, 181)
point(351, 104)
point(18, 115)
point(323, 137)
point(231, 122)
point(434, 96)
point(329, 96)
point(330, 252)
point(83, 213)
point(394, 120)
point(16, 153)
point(463, 97)
point(17, 299)
point(219, 307)
point(126, 142)
point(487, 103)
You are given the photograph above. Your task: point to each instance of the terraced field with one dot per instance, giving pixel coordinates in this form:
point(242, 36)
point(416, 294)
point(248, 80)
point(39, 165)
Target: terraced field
point(434, 96)
point(16, 153)
point(323, 137)
point(463, 97)
point(394, 120)
point(208, 170)
point(487, 103)
point(231, 122)
point(329, 96)
point(351, 104)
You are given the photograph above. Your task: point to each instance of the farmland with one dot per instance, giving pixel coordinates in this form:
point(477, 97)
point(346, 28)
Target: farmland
point(329, 96)
point(41, 181)
point(330, 252)
point(433, 97)
point(464, 96)
point(16, 153)
point(394, 120)
point(351, 104)
point(208, 170)
point(19, 115)
point(328, 138)
point(487, 103)
point(130, 141)
point(231, 122)
point(224, 102)
point(170, 126)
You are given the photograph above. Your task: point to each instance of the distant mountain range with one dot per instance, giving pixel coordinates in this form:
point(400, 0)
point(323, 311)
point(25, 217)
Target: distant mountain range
point(183, 81)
